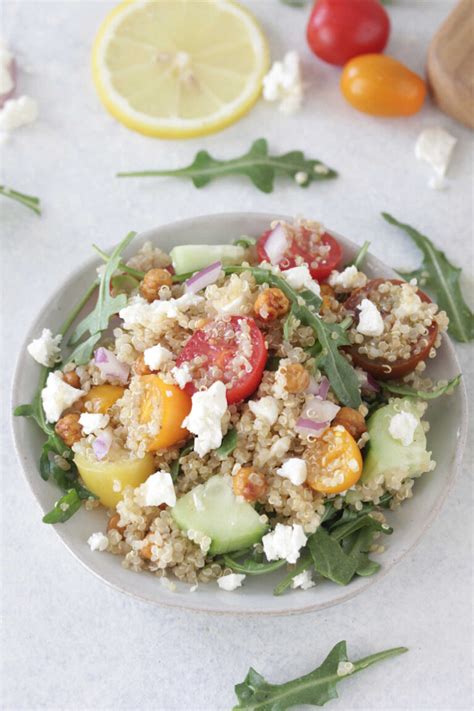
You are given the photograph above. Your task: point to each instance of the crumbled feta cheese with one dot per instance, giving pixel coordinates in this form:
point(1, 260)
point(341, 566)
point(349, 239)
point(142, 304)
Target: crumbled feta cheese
point(150, 315)
point(98, 541)
point(409, 304)
point(284, 83)
point(435, 146)
point(349, 279)
point(57, 396)
point(91, 423)
point(284, 542)
point(205, 418)
point(265, 409)
point(293, 469)
point(301, 178)
point(280, 447)
point(344, 668)
point(182, 375)
point(231, 581)
point(45, 349)
point(156, 490)
point(370, 319)
point(300, 278)
point(6, 77)
point(18, 112)
point(402, 427)
point(156, 356)
point(303, 580)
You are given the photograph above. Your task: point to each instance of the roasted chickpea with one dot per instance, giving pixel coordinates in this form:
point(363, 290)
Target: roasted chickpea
point(152, 282)
point(249, 484)
point(145, 552)
point(297, 378)
point(327, 295)
point(72, 379)
point(114, 525)
point(140, 367)
point(69, 429)
point(271, 304)
point(352, 421)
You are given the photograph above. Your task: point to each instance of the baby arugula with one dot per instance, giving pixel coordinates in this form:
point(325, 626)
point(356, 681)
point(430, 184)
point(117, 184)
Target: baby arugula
point(442, 279)
point(406, 391)
point(256, 164)
point(313, 689)
point(33, 203)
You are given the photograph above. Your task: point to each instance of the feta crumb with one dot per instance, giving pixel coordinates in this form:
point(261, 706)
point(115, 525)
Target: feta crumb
point(231, 581)
point(402, 427)
point(45, 349)
point(265, 409)
point(98, 541)
point(156, 490)
point(91, 423)
point(303, 580)
point(284, 542)
point(151, 315)
point(301, 177)
point(182, 375)
point(300, 278)
point(6, 77)
point(205, 419)
point(280, 447)
point(18, 112)
point(284, 83)
point(293, 469)
point(57, 396)
point(435, 146)
point(156, 356)
point(370, 319)
point(409, 304)
point(344, 668)
point(349, 279)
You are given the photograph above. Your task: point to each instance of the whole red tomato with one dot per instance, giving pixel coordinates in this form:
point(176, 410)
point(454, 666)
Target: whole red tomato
point(341, 29)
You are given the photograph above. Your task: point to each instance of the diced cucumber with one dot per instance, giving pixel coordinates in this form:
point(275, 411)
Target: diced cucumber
point(193, 257)
point(213, 509)
point(388, 456)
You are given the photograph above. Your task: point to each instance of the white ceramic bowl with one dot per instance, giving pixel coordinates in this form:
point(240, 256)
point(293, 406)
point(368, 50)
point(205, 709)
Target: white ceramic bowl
point(448, 418)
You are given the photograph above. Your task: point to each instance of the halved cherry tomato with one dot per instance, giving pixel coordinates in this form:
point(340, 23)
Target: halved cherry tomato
point(333, 460)
point(378, 367)
point(307, 245)
point(379, 85)
point(231, 350)
point(341, 29)
point(173, 404)
point(102, 397)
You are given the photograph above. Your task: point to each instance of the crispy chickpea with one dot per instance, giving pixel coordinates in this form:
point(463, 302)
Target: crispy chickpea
point(327, 294)
point(72, 379)
point(249, 484)
point(152, 282)
point(140, 367)
point(145, 552)
point(352, 421)
point(113, 524)
point(271, 304)
point(69, 429)
point(297, 378)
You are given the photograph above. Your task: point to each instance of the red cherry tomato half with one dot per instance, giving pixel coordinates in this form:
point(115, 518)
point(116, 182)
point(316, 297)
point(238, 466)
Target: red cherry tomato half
point(321, 256)
point(378, 366)
point(230, 349)
point(339, 30)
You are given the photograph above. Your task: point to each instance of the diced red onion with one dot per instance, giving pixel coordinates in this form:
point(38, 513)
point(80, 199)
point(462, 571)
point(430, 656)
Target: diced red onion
point(276, 244)
point(102, 444)
point(12, 71)
point(319, 410)
point(313, 387)
point(305, 426)
point(204, 278)
point(367, 381)
point(110, 366)
point(320, 389)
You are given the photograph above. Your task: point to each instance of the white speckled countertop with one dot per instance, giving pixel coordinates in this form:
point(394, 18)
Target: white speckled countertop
point(70, 642)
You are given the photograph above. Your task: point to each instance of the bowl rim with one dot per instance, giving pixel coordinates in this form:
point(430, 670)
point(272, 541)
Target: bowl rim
point(453, 468)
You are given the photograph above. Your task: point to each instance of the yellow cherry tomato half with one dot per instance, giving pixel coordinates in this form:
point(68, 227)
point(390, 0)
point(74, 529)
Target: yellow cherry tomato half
point(102, 397)
point(172, 404)
point(101, 477)
point(380, 85)
point(334, 461)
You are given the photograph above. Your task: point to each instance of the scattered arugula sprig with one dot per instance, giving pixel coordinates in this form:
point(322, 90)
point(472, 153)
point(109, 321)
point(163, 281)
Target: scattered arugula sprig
point(361, 255)
point(175, 468)
point(33, 203)
point(442, 279)
point(257, 164)
point(313, 689)
point(406, 391)
point(229, 443)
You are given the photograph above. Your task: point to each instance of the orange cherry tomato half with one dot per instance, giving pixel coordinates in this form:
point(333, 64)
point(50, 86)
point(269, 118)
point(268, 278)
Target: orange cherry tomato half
point(334, 461)
point(380, 85)
point(173, 404)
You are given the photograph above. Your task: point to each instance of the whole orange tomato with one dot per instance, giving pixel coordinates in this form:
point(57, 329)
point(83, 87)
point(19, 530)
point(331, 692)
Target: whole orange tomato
point(382, 86)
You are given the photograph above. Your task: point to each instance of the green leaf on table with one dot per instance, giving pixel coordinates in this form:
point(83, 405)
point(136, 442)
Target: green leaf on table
point(33, 203)
point(257, 165)
point(441, 278)
point(314, 689)
point(229, 443)
point(407, 391)
point(64, 508)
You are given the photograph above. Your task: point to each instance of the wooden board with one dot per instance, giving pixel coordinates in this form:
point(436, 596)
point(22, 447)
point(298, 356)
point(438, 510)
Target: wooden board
point(451, 64)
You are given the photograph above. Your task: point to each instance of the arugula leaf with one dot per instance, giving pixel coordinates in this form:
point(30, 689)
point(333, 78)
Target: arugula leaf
point(256, 164)
point(406, 391)
point(33, 203)
point(360, 256)
point(229, 443)
point(358, 547)
point(64, 508)
point(442, 279)
point(315, 689)
point(329, 559)
point(250, 566)
point(304, 562)
point(175, 467)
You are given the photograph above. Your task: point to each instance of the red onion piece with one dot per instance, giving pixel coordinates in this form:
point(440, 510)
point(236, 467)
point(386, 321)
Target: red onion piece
point(203, 278)
point(276, 244)
point(304, 426)
point(110, 366)
point(367, 381)
point(313, 387)
point(319, 410)
point(102, 444)
point(323, 388)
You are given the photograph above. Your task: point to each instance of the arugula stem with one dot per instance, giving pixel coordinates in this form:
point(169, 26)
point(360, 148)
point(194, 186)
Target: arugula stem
point(33, 203)
point(78, 308)
point(121, 265)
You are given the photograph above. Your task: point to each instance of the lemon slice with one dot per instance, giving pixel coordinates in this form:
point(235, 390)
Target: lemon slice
point(179, 68)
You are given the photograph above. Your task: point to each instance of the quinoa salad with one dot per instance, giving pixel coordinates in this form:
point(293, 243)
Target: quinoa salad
point(239, 409)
